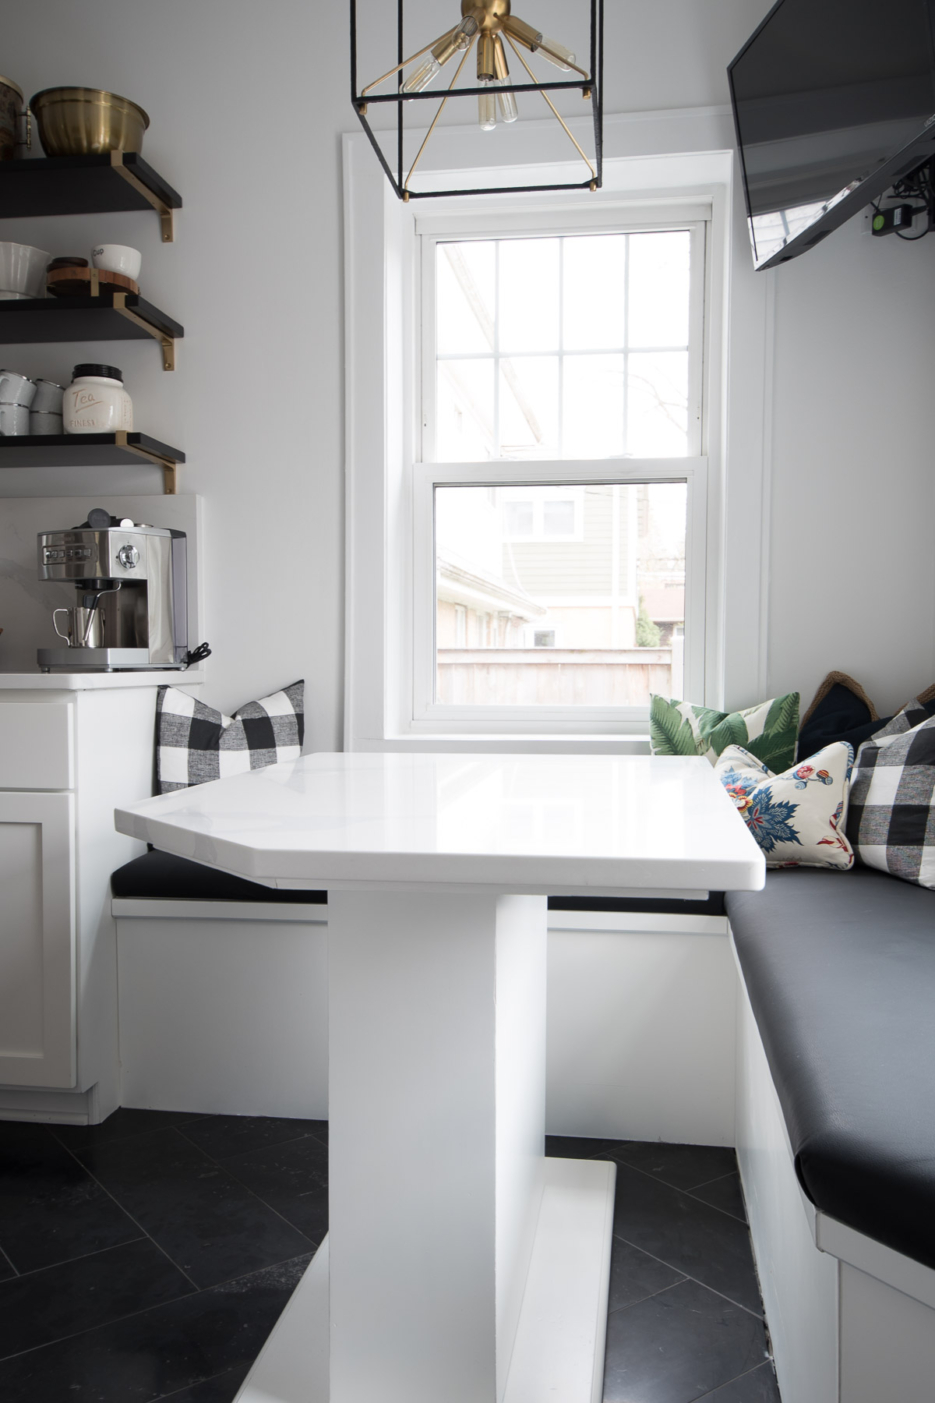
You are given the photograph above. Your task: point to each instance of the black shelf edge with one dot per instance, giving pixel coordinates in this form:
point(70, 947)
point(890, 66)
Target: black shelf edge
point(81, 450)
point(44, 319)
point(78, 185)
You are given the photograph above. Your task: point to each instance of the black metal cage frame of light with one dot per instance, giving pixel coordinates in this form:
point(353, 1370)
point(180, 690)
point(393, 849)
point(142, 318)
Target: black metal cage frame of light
point(593, 83)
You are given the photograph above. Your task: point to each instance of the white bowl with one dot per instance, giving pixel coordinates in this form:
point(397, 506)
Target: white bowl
point(22, 269)
point(117, 258)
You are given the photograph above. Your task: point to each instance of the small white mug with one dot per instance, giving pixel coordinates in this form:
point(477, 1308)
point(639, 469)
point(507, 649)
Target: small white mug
point(48, 398)
point(117, 258)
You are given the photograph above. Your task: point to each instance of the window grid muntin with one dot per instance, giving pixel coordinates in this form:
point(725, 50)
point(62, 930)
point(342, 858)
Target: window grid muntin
point(626, 350)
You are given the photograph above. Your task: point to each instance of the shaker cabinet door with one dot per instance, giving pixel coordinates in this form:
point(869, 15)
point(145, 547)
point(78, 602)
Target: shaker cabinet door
point(37, 940)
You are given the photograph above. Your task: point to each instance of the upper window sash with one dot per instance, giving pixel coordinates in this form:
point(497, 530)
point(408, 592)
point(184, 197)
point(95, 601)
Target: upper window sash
point(443, 229)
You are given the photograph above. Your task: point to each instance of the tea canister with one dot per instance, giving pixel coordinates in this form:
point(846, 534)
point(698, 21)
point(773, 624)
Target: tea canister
point(96, 402)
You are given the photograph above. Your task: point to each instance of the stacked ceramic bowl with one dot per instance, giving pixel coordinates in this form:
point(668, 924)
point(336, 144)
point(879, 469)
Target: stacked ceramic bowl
point(22, 271)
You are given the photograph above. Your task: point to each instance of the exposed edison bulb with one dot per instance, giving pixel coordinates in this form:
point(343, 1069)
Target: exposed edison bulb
point(430, 67)
point(423, 75)
point(487, 78)
point(506, 101)
point(556, 53)
point(487, 106)
point(537, 43)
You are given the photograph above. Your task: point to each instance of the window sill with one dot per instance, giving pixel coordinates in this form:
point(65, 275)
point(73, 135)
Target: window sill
point(499, 744)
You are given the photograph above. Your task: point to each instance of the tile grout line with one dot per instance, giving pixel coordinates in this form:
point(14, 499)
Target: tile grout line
point(280, 1144)
point(734, 1174)
point(618, 1310)
point(716, 1180)
point(745, 1221)
point(133, 1220)
point(101, 1325)
point(281, 1216)
point(757, 1315)
point(211, 1160)
point(134, 1314)
point(736, 1379)
point(689, 1193)
point(167, 1397)
point(657, 1178)
point(83, 1257)
point(237, 1180)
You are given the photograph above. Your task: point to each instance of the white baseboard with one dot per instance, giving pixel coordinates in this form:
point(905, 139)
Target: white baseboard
point(50, 1107)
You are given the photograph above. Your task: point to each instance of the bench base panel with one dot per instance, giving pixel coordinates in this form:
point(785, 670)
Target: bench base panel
point(839, 1334)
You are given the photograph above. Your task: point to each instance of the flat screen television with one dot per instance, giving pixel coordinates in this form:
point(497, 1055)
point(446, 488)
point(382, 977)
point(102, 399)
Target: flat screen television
point(833, 101)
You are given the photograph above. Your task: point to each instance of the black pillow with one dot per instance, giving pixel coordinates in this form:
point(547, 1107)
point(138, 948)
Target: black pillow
point(841, 711)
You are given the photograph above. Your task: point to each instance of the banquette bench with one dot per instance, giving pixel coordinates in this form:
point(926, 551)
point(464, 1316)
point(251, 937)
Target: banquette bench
point(835, 1110)
point(223, 1000)
point(836, 1128)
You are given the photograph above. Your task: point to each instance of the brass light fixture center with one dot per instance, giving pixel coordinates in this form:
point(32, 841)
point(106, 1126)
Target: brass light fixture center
point(489, 14)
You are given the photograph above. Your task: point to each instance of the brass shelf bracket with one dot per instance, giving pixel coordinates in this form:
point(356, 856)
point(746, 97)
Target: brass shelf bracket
point(166, 342)
point(166, 214)
point(168, 465)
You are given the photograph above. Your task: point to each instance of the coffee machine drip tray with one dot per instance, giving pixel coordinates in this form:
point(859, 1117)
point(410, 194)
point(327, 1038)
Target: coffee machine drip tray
point(101, 660)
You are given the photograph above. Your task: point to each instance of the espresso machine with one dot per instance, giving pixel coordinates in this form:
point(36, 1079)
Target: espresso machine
point(131, 606)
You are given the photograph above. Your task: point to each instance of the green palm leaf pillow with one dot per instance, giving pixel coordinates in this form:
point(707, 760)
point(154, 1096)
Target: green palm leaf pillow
point(768, 731)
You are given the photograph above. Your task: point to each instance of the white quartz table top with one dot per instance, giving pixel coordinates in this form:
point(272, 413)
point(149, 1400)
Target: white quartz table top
point(555, 824)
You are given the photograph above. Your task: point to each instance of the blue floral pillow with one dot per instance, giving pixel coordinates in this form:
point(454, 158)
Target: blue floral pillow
point(797, 817)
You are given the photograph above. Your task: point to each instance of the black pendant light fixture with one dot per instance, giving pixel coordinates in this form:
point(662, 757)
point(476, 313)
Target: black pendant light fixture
point(490, 34)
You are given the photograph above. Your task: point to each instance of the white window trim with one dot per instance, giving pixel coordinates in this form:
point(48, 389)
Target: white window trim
point(381, 284)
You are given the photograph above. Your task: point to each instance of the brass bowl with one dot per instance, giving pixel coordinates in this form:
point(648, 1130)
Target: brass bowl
point(87, 122)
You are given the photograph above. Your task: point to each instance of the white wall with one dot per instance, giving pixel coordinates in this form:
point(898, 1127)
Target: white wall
point(852, 581)
point(247, 107)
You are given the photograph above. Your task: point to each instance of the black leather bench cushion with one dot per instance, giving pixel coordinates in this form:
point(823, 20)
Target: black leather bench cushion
point(160, 876)
point(840, 969)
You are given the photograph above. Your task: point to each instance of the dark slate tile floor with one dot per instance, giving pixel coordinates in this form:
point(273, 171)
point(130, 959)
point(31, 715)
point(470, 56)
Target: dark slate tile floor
point(136, 1260)
point(148, 1259)
point(685, 1317)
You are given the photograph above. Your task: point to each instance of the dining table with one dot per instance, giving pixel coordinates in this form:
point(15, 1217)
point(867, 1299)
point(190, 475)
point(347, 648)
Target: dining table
point(461, 1264)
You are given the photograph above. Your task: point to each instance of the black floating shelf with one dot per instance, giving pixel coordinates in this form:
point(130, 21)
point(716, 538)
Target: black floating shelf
point(118, 180)
point(89, 451)
point(101, 318)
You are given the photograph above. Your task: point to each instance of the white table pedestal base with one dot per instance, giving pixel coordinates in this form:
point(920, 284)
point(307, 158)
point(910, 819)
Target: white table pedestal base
point(461, 1264)
point(558, 1353)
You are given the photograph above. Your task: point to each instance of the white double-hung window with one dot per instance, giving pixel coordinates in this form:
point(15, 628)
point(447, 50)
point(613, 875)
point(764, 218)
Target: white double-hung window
point(559, 491)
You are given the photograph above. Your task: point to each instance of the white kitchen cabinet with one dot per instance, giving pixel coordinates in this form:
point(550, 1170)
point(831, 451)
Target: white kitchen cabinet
point(72, 749)
point(37, 939)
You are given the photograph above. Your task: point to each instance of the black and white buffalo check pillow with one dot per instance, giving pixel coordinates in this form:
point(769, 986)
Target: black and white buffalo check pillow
point(195, 743)
point(891, 816)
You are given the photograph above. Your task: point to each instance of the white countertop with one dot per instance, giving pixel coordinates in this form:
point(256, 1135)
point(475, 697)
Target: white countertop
point(522, 823)
point(95, 681)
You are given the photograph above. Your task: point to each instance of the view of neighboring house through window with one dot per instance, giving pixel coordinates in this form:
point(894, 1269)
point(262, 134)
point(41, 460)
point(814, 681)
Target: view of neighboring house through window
point(565, 587)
